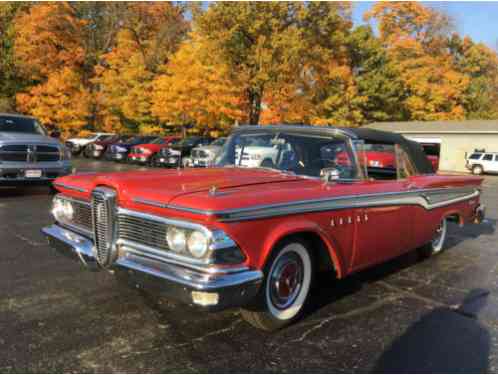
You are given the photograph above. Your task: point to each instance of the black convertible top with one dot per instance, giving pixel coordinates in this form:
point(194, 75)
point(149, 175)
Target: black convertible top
point(412, 148)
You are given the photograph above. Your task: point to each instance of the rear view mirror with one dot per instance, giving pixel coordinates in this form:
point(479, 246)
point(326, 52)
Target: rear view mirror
point(55, 134)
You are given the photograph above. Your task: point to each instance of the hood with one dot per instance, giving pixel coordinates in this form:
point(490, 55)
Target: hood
point(27, 138)
point(165, 186)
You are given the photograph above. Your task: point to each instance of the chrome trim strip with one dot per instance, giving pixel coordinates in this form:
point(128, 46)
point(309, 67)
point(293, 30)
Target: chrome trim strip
point(70, 187)
point(427, 198)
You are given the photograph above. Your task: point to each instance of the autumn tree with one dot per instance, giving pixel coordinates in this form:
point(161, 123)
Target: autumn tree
point(149, 35)
point(195, 90)
point(416, 36)
point(480, 64)
point(48, 37)
point(62, 99)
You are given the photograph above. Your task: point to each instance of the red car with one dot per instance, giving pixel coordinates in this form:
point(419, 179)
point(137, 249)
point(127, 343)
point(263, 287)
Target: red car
point(144, 153)
point(254, 238)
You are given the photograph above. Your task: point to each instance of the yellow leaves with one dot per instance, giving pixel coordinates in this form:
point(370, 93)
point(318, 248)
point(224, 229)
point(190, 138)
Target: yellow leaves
point(61, 101)
point(48, 37)
point(195, 90)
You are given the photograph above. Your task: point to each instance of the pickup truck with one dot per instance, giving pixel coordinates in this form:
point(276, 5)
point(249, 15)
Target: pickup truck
point(28, 154)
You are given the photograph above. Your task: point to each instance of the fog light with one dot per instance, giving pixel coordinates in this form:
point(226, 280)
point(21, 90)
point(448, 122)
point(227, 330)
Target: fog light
point(205, 299)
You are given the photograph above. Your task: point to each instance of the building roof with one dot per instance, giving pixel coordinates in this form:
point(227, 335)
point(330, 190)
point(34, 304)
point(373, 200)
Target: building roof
point(463, 126)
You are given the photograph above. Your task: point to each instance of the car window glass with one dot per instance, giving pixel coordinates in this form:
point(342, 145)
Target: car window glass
point(21, 125)
point(405, 167)
point(475, 156)
point(488, 157)
point(496, 157)
point(380, 160)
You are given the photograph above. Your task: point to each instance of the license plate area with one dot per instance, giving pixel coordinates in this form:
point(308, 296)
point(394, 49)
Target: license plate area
point(33, 173)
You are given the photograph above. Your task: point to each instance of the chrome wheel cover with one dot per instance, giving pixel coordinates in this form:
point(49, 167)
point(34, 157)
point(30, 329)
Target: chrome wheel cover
point(286, 280)
point(440, 236)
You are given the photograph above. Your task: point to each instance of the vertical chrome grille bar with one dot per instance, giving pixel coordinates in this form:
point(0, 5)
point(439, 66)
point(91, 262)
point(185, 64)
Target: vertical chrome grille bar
point(104, 225)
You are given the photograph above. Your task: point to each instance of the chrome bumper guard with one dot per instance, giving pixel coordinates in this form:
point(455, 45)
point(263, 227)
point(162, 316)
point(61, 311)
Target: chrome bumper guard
point(212, 289)
point(480, 214)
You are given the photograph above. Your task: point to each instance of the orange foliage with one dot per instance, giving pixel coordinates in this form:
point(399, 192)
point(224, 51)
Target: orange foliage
point(60, 102)
point(48, 37)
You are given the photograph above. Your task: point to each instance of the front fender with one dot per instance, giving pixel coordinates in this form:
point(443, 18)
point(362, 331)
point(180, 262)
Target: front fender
point(286, 229)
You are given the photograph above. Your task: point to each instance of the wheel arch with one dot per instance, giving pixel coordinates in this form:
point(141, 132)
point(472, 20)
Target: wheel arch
point(324, 248)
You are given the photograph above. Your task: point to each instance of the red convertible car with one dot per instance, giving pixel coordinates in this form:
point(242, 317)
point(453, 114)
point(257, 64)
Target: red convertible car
point(254, 238)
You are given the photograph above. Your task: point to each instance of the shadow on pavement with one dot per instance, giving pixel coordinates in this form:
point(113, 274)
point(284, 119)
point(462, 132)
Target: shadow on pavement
point(442, 341)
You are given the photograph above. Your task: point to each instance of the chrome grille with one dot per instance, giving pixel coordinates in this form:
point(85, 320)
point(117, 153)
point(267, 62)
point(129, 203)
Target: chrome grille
point(142, 231)
point(29, 153)
point(82, 217)
point(103, 213)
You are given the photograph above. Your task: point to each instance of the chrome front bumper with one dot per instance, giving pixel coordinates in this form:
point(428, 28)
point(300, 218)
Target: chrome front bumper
point(15, 173)
point(212, 289)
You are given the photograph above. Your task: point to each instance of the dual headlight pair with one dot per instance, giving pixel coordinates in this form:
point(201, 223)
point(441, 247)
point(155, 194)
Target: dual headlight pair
point(62, 210)
point(179, 240)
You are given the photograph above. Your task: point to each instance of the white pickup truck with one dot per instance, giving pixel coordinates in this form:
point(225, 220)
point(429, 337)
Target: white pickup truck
point(76, 145)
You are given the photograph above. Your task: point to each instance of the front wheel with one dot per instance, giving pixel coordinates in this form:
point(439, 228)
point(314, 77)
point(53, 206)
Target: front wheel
point(436, 245)
point(477, 170)
point(285, 290)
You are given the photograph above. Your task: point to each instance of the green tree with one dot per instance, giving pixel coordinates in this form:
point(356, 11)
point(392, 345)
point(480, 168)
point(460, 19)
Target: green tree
point(377, 78)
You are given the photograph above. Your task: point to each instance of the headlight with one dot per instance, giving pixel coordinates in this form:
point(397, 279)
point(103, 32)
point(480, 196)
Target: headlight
point(120, 149)
point(99, 147)
point(62, 210)
point(256, 157)
point(198, 244)
point(177, 239)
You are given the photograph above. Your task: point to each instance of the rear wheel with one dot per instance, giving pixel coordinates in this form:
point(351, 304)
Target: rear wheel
point(285, 290)
point(477, 169)
point(436, 245)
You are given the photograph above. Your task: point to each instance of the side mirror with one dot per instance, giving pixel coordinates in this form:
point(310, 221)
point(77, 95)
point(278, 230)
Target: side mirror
point(330, 174)
point(55, 134)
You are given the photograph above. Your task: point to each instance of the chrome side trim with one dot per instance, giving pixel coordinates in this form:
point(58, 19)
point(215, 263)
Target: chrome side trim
point(70, 187)
point(426, 198)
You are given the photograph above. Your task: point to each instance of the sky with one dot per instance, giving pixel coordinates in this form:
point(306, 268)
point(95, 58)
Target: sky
point(477, 19)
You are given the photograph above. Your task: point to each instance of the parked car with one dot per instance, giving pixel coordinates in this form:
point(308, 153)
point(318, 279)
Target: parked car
point(204, 156)
point(97, 149)
point(178, 155)
point(145, 153)
point(77, 145)
point(255, 238)
point(119, 151)
point(482, 162)
point(28, 154)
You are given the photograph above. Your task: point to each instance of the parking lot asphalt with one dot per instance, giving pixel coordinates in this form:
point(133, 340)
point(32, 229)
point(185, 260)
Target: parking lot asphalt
point(435, 315)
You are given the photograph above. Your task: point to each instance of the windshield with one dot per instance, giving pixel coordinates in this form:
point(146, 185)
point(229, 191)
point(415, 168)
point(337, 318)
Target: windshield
point(188, 141)
point(125, 139)
point(158, 141)
point(296, 152)
point(90, 136)
point(219, 142)
point(12, 124)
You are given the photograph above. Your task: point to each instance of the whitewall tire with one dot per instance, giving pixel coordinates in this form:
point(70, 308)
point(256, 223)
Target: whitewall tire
point(286, 287)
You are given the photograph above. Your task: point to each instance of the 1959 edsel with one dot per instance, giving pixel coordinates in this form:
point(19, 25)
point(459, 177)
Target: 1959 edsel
point(254, 238)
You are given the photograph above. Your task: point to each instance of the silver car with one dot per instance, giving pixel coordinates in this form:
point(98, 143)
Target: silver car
point(28, 154)
point(204, 156)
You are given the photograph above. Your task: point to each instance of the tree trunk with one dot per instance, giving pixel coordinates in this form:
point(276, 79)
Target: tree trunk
point(254, 106)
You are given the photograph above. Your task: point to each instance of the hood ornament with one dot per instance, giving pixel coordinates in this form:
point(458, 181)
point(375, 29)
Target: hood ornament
point(213, 190)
